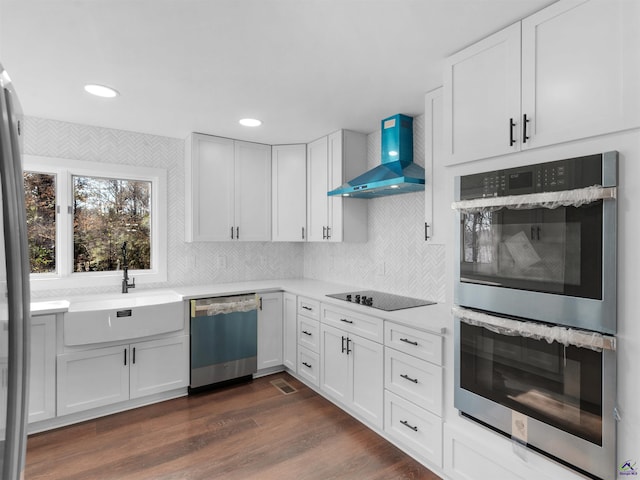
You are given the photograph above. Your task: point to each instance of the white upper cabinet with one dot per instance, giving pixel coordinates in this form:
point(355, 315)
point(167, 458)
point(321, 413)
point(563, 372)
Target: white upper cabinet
point(331, 161)
point(252, 191)
point(580, 70)
point(482, 96)
point(289, 193)
point(580, 65)
point(228, 192)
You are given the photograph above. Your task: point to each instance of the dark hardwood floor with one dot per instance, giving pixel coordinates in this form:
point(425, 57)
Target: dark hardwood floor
point(247, 431)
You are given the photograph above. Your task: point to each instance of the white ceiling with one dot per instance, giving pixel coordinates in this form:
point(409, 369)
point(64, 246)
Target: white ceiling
point(304, 67)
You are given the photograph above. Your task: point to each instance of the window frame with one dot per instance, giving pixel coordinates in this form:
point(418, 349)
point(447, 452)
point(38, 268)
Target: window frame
point(64, 170)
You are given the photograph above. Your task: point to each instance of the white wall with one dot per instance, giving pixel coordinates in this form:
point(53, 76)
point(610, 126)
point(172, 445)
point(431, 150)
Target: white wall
point(189, 263)
point(628, 338)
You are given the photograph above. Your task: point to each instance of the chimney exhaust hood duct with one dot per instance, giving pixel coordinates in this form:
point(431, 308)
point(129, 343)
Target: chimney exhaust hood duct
point(397, 173)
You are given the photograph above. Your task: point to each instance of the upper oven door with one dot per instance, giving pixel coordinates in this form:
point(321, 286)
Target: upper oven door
point(541, 250)
point(539, 254)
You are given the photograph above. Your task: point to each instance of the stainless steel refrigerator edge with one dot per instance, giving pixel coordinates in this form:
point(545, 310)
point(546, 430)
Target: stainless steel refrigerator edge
point(15, 306)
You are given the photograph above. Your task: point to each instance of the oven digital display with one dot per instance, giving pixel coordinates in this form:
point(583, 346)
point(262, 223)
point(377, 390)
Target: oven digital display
point(520, 180)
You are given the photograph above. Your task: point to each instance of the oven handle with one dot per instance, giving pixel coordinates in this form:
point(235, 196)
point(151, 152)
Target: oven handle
point(566, 198)
point(538, 331)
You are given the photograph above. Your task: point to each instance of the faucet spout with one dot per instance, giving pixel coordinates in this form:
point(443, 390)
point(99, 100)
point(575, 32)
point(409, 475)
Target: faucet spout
point(125, 271)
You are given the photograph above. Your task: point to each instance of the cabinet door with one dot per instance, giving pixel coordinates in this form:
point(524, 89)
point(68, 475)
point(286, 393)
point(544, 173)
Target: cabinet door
point(482, 94)
point(434, 206)
point(42, 380)
point(252, 191)
point(270, 330)
point(92, 378)
point(289, 337)
point(209, 188)
point(159, 365)
point(317, 181)
point(580, 70)
point(334, 371)
point(289, 193)
point(335, 213)
point(367, 364)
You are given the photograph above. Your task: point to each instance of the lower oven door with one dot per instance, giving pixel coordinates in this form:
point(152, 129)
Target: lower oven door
point(558, 400)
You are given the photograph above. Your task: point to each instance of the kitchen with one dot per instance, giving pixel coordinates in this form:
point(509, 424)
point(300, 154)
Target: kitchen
point(395, 258)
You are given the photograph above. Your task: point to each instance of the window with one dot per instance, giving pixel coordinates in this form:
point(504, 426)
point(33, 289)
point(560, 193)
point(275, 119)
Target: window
point(40, 200)
point(106, 213)
point(79, 214)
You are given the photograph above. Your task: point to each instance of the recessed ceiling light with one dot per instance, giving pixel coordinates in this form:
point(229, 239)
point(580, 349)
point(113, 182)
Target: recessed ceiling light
point(250, 122)
point(101, 90)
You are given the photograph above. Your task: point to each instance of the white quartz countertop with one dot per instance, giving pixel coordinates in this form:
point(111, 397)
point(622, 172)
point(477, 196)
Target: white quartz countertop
point(49, 307)
point(431, 318)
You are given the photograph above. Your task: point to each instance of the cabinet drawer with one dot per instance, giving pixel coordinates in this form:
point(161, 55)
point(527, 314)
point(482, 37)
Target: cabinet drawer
point(362, 325)
point(426, 346)
point(309, 365)
point(309, 333)
point(417, 429)
point(414, 379)
point(309, 308)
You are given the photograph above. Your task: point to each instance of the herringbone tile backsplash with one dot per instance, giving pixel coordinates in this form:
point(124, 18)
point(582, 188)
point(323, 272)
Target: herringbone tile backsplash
point(395, 259)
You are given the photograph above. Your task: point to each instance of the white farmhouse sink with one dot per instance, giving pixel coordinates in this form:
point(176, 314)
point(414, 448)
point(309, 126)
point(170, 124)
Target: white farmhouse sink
point(117, 317)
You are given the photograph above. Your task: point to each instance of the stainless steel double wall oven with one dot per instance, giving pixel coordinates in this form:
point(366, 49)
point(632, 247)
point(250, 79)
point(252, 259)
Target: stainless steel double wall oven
point(535, 295)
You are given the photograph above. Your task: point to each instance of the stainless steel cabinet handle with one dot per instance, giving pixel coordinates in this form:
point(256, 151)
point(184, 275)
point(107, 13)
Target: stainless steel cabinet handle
point(231, 233)
point(407, 377)
point(342, 351)
point(328, 233)
point(307, 333)
point(346, 321)
point(306, 364)
point(125, 356)
point(324, 233)
point(410, 342)
point(307, 308)
point(348, 350)
point(133, 356)
point(237, 233)
point(406, 424)
point(302, 233)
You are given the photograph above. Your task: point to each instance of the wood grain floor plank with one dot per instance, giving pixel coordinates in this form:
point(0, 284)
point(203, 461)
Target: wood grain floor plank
point(247, 431)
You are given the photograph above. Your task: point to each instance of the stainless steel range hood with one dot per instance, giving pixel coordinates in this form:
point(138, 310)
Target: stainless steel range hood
point(397, 173)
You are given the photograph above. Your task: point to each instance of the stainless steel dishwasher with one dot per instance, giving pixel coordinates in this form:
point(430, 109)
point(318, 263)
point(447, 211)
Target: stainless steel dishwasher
point(224, 339)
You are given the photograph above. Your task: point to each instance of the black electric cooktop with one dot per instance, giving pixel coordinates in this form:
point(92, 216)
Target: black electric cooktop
point(381, 300)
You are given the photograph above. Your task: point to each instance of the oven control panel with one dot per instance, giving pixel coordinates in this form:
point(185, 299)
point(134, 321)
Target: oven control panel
point(555, 176)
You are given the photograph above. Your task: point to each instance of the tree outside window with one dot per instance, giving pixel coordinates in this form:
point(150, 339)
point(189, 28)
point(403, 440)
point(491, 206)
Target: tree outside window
point(40, 200)
point(106, 213)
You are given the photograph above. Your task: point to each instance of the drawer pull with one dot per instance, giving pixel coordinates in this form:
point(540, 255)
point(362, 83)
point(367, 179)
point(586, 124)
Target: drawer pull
point(307, 308)
point(407, 377)
point(306, 333)
point(306, 364)
point(346, 321)
point(406, 424)
point(411, 342)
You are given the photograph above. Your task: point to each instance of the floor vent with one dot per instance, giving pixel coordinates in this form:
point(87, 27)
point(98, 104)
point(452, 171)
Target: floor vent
point(284, 386)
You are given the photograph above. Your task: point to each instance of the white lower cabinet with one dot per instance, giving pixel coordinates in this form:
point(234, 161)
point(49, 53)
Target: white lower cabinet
point(289, 331)
point(94, 378)
point(309, 365)
point(157, 366)
point(413, 390)
point(270, 330)
point(352, 372)
point(42, 380)
point(414, 427)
